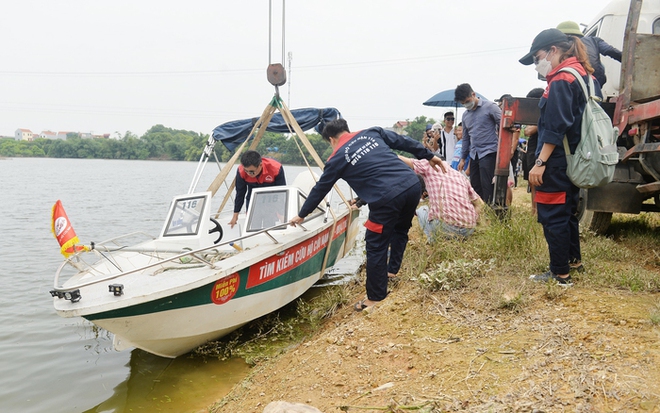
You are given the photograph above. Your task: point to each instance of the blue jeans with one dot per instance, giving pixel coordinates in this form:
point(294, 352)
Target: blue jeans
point(435, 228)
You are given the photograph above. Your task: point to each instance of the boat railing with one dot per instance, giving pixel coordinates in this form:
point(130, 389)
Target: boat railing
point(116, 239)
point(74, 260)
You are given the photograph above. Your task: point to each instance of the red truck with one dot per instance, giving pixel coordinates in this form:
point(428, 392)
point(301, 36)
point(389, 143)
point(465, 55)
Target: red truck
point(634, 108)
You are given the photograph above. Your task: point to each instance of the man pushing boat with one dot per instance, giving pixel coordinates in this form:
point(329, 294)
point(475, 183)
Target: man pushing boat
point(365, 160)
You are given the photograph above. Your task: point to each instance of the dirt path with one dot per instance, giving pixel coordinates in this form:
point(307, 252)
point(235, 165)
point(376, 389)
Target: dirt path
point(574, 350)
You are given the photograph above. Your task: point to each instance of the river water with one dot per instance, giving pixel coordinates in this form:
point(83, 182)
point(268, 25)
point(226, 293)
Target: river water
point(51, 364)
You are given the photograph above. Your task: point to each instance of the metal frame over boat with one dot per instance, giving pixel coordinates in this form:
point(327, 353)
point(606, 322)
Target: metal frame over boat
point(199, 279)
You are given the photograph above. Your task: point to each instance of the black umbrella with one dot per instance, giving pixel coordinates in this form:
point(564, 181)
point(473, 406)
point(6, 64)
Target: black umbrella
point(446, 99)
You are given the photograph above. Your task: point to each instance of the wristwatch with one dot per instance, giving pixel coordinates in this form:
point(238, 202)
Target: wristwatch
point(539, 162)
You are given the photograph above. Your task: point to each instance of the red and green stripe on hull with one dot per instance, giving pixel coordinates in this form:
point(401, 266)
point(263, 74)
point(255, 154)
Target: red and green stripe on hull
point(290, 266)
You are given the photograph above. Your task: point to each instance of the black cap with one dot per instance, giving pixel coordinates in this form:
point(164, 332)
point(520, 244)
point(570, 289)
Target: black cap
point(542, 40)
point(504, 96)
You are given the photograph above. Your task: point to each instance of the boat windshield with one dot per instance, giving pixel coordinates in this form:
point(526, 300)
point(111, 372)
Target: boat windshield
point(184, 219)
point(268, 209)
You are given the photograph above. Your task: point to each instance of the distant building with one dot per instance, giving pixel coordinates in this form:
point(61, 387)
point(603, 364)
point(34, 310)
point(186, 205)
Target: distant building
point(27, 135)
point(400, 126)
point(48, 135)
point(23, 135)
point(62, 135)
point(90, 135)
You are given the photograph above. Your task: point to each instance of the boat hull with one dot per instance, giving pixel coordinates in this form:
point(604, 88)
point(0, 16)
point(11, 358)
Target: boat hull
point(174, 324)
point(177, 332)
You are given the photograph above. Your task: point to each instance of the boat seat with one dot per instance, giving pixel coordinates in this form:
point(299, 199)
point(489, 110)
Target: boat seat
point(232, 233)
point(306, 181)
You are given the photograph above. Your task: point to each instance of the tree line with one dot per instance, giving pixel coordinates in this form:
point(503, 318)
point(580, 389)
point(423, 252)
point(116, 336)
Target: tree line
point(164, 143)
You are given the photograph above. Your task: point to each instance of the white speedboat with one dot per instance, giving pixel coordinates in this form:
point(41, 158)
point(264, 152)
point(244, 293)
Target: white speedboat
point(198, 280)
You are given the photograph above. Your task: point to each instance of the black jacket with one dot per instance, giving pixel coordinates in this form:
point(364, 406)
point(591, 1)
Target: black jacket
point(596, 47)
point(366, 162)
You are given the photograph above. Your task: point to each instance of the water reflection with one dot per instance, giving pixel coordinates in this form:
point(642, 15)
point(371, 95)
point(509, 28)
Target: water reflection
point(172, 385)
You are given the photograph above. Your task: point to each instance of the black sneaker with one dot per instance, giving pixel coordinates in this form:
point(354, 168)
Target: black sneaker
point(576, 265)
point(549, 275)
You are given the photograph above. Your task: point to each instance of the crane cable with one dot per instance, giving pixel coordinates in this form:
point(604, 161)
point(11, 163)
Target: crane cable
point(275, 73)
point(270, 29)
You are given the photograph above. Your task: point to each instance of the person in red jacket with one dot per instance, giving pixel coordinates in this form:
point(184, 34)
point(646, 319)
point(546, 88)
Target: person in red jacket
point(561, 107)
point(254, 171)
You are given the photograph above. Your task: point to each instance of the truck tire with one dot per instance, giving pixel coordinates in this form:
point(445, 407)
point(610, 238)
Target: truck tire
point(595, 221)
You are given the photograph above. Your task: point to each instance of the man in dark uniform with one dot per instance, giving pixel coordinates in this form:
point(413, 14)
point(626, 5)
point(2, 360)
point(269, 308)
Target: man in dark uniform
point(391, 189)
point(254, 171)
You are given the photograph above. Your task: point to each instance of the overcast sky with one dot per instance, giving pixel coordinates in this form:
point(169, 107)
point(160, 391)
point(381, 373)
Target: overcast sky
point(105, 67)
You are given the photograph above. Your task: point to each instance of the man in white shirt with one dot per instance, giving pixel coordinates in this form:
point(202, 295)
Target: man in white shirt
point(447, 139)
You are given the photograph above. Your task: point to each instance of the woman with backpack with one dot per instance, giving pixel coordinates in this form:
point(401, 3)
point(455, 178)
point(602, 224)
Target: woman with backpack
point(562, 106)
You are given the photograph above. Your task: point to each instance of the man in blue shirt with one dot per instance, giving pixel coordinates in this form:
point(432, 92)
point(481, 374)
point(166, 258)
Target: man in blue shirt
point(365, 160)
point(481, 124)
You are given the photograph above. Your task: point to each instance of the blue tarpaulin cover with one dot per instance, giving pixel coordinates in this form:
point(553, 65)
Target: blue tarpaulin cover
point(234, 133)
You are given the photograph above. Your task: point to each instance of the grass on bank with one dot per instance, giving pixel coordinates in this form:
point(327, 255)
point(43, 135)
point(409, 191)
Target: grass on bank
point(496, 261)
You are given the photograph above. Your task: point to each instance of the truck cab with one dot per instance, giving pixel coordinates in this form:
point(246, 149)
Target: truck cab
point(610, 25)
point(635, 88)
point(632, 96)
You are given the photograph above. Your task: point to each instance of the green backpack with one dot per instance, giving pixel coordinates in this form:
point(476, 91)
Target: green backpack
point(596, 156)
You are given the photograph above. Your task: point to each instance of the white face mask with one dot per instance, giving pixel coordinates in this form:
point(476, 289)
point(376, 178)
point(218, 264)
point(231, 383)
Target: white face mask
point(543, 66)
point(469, 105)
